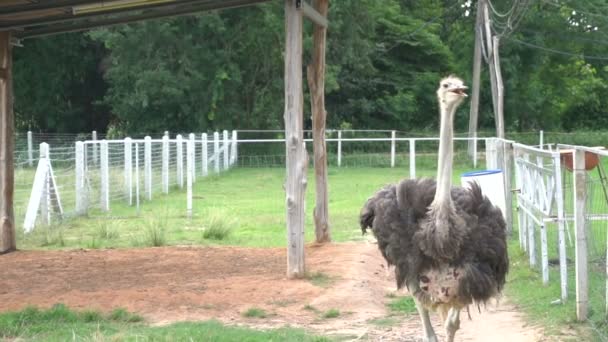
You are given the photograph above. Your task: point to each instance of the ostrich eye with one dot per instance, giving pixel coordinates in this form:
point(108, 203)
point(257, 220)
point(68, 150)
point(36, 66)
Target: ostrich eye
point(445, 85)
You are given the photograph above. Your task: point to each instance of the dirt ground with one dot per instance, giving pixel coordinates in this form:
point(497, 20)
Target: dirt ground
point(172, 284)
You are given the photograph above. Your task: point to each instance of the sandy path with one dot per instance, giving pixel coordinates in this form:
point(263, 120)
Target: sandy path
point(195, 283)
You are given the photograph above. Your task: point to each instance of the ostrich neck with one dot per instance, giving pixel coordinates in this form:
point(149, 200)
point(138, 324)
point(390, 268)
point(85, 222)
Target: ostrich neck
point(443, 198)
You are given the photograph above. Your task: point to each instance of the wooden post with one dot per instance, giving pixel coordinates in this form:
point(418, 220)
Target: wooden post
point(204, 158)
point(295, 186)
point(216, 152)
point(500, 90)
point(541, 139)
point(148, 166)
point(81, 192)
point(412, 158)
point(137, 177)
point(189, 174)
point(531, 242)
point(192, 138)
point(580, 248)
point(128, 170)
point(165, 164)
point(94, 145)
point(30, 149)
point(339, 148)
point(234, 152)
point(105, 177)
point(316, 83)
point(508, 176)
point(490, 60)
point(563, 266)
point(179, 141)
point(226, 149)
point(474, 112)
point(544, 254)
point(45, 208)
point(7, 147)
point(393, 148)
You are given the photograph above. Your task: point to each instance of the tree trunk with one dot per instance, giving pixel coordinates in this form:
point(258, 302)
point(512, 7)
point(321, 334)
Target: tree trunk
point(7, 146)
point(316, 83)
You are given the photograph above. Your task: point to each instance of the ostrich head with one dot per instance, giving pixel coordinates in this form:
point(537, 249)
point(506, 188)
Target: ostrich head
point(451, 92)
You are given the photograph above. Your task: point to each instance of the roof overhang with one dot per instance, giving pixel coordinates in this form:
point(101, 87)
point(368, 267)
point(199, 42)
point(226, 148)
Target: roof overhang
point(34, 18)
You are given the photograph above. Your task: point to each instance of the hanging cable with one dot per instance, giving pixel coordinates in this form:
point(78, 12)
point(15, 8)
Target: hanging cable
point(556, 51)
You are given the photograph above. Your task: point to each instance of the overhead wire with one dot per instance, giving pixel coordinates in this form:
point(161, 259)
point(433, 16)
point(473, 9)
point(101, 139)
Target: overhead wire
point(556, 51)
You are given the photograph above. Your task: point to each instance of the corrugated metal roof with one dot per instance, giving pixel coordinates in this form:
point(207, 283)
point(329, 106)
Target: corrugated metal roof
point(33, 18)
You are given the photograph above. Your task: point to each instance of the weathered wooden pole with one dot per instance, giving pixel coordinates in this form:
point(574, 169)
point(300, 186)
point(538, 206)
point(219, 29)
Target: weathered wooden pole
point(316, 84)
point(580, 248)
point(7, 147)
point(297, 162)
point(500, 90)
point(474, 112)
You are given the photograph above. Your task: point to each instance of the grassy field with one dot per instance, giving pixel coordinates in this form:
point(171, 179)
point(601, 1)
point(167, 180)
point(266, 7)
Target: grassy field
point(62, 324)
point(245, 207)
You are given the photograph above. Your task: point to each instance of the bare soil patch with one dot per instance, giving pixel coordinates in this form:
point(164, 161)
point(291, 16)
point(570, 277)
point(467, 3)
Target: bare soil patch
point(170, 284)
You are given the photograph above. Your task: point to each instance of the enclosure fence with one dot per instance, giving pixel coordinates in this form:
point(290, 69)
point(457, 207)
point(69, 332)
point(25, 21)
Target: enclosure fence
point(92, 175)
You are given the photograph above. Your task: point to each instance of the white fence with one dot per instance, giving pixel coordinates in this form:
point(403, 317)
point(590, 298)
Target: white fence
point(106, 172)
point(91, 177)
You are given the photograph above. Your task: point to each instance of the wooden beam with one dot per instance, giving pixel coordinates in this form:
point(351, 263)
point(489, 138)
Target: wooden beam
point(39, 6)
point(312, 13)
point(316, 84)
point(580, 232)
point(7, 146)
point(151, 14)
point(297, 161)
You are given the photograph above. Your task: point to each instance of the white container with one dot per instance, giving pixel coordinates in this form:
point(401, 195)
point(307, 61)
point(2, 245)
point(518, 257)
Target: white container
point(492, 185)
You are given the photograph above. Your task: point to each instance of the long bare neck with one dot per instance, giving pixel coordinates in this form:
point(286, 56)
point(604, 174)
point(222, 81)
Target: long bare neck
point(446, 152)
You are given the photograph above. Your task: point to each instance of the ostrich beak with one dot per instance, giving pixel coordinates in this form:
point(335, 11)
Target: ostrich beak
point(460, 90)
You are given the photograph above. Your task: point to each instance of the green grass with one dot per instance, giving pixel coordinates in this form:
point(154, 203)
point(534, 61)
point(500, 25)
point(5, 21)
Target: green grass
point(319, 279)
point(255, 313)
point(62, 324)
point(404, 305)
point(244, 206)
point(331, 313)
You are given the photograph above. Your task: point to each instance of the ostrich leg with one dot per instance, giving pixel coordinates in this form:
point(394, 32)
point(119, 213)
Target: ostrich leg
point(429, 333)
point(452, 323)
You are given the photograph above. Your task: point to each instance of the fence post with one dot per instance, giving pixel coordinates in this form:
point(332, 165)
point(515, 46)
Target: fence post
point(180, 161)
point(204, 158)
point(192, 138)
point(233, 154)
point(129, 170)
point(137, 176)
point(189, 174)
point(45, 213)
point(541, 139)
point(531, 242)
point(544, 254)
point(412, 158)
point(563, 266)
point(226, 149)
point(508, 175)
point(165, 166)
point(105, 177)
point(81, 192)
point(580, 247)
point(393, 143)
point(148, 166)
point(216, 151)
point(339, 148)
point(475, 150)
point(30, 149)
point(94, 138)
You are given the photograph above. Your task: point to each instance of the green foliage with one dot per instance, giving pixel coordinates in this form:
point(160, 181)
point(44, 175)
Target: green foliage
point(319, 279)
point(155, 232)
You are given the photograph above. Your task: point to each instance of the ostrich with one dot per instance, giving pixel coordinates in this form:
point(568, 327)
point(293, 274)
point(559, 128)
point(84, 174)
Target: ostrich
point(448, 244)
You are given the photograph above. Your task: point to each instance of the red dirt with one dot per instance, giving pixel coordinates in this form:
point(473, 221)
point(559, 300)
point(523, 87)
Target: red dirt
point(171, 284)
